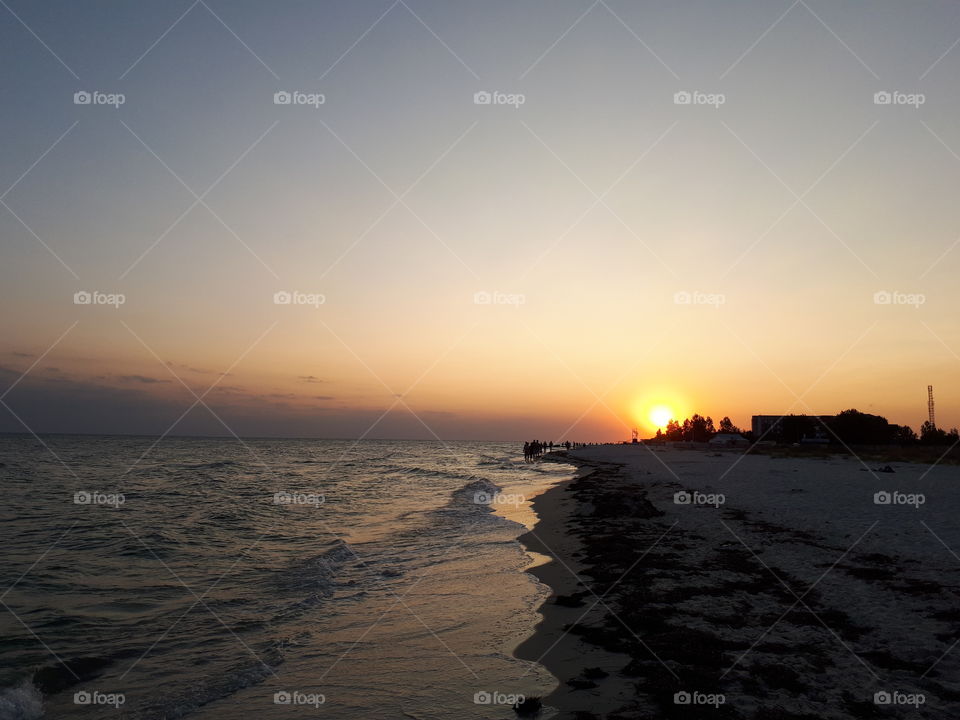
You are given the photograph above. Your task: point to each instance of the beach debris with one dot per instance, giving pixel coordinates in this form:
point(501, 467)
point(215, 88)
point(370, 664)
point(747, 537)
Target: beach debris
point(528, 707)
point(575, 600)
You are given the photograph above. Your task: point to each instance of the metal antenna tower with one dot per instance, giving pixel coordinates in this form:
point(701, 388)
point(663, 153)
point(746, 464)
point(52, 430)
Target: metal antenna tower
point(930, 405)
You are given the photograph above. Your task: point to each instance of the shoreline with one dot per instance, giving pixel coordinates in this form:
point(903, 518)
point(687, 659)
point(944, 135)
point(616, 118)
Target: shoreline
point(551, 644)
point(796, 595)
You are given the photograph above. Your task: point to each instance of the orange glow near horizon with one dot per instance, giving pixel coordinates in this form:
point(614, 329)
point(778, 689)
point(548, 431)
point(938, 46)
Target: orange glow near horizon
point(652, 408)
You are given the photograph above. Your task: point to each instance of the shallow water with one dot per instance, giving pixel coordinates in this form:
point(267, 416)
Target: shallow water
point(391, 588)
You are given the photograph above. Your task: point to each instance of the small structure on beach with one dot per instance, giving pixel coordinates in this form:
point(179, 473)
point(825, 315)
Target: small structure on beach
point(728, 439)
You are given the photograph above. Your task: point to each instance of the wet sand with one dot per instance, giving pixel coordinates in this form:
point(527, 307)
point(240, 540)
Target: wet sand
point(552, 645)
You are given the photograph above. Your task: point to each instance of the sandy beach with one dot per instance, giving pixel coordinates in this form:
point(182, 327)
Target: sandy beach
point(712, 584)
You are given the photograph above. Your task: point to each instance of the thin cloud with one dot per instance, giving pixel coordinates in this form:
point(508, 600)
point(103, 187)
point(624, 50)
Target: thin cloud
point(142, 379)
point(198, 371)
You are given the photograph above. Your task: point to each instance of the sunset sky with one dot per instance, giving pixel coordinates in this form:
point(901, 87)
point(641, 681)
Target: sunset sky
point(589, 215)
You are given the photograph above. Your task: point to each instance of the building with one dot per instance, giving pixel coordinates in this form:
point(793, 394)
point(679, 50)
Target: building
point(792, 428)
point(765, 427)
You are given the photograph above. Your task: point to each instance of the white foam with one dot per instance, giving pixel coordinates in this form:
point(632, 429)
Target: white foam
point(24, 702)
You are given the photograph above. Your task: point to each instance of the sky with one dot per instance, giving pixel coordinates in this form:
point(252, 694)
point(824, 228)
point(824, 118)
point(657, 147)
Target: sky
point(492, 220)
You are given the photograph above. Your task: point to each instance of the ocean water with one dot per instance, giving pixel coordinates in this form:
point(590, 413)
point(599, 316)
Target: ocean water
point(214, 579)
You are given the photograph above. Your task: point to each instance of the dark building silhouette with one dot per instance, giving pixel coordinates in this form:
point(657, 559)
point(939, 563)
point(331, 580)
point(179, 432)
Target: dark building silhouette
point(792, 428)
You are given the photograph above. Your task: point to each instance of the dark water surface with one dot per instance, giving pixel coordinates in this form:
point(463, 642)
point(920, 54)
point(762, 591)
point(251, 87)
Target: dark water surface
point(387, 588)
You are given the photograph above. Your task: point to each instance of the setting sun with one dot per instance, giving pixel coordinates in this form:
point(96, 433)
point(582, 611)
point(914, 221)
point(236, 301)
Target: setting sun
point(660, 416)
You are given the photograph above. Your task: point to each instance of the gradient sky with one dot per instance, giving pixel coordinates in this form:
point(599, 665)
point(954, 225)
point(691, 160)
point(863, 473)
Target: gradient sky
point(597, 201)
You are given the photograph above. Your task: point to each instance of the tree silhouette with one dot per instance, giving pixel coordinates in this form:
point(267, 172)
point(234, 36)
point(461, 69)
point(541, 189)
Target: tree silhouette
point(727, 426)
point(930, 434)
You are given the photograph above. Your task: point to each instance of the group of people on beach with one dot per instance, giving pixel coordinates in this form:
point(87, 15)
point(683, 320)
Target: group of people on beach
point(535, 449)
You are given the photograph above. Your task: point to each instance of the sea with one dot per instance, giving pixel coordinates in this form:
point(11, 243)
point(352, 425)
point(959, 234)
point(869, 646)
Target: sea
point(220, 579)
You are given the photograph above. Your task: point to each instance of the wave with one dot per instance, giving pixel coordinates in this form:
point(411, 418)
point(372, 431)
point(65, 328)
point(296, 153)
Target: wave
point(417, 471)
point(318, 573)
point(477, 485)
point(210, 466)
point(213, 687)
point(467, 507)
point(59, 676)
point(24, 702)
